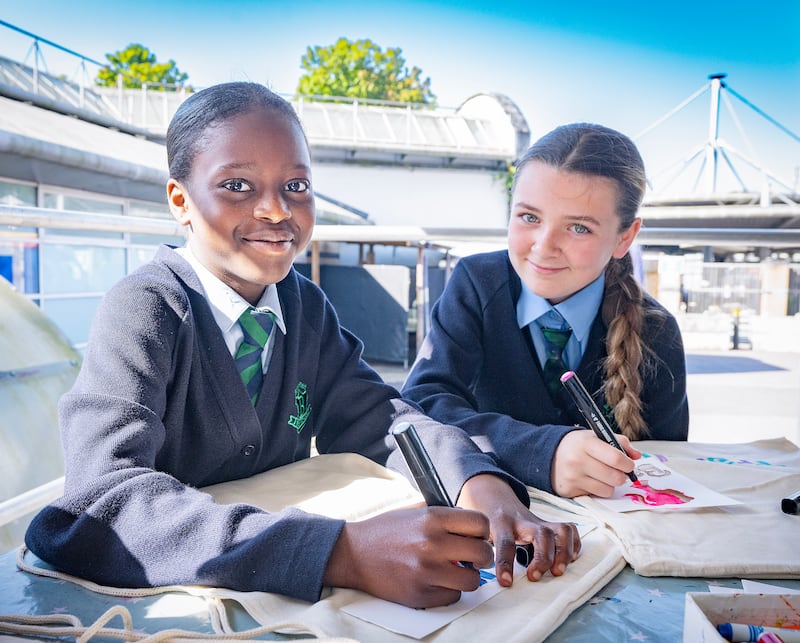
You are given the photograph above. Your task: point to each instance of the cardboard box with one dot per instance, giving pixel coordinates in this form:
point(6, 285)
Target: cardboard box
point(704, 611)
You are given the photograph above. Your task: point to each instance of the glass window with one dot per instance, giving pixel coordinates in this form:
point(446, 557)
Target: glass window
point(17, 194)
point(72, 316)
point(18, 242)
point(137, 257)
point(75, 269)
point(58, 201)
point(157, 239)
point(81, 204)
point(152, 210)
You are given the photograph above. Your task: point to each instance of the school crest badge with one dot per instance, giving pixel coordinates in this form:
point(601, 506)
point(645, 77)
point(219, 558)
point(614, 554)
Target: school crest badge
point(303, 406)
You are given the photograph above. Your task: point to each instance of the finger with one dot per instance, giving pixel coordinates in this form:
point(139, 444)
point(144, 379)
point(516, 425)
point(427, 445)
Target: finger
point(566, 539)
point(431, 596)
point(610, 456)
point(630, 450)
point(544, 547)
point(457, 575)
point(603, 488)
point(463, 522)
point(606, 470)
point(505, 550)
point(576, 542)
point(598, 480)
point(475, 551)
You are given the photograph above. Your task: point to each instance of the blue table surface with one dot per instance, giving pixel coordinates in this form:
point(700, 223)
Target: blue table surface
point(629, 608)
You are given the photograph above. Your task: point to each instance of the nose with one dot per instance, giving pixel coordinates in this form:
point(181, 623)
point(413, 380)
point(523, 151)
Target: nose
point(272, 207)
point(546, 239)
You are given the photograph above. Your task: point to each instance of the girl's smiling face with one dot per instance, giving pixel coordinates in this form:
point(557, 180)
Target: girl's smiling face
point(248, 199)
point(564, 229)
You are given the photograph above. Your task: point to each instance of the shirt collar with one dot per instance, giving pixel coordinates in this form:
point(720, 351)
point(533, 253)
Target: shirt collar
point(226, 304)
point(579, 310)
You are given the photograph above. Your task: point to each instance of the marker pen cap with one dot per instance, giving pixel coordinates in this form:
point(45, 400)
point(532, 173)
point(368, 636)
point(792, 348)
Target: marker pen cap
point(791, 504)
point(769, 637)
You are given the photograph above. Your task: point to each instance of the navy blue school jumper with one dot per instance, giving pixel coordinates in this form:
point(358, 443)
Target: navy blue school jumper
point(478, 370)
point(159, 409)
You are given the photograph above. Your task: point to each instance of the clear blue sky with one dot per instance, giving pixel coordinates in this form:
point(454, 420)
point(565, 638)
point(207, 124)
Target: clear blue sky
point(624, 64)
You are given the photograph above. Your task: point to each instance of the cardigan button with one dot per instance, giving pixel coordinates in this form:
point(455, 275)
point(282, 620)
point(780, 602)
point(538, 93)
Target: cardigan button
point(248, 450)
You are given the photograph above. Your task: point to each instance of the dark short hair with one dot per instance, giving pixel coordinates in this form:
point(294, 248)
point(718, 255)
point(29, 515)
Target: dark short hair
point(594, 150)
point(209, 106)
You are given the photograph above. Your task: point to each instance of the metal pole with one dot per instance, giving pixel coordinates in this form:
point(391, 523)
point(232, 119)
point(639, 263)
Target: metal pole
point(36, 66)
point(82, 84)
point(144, 105)
point(712, 149)
point(422, 296)
point(315, 270)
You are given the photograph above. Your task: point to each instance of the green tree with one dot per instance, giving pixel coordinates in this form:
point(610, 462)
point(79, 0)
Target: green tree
point(361, 69)
point(137, 65)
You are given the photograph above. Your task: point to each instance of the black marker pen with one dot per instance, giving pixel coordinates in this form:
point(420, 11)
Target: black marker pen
point(791, 504)
point(425, 474)
point(419, 462)
point(428, 480)
point(587, 407)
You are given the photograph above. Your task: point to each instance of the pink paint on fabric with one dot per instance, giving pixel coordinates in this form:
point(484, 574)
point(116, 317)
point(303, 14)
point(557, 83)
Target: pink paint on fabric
point(653, 497)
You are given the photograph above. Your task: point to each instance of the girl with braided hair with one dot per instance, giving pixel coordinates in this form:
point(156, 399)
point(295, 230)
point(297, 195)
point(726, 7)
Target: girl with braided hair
point(488, 362)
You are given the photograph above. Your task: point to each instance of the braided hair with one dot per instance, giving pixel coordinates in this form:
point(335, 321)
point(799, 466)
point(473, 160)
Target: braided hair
point(595, 150)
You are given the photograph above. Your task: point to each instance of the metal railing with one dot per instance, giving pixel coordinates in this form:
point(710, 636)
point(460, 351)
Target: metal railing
point(328, 120)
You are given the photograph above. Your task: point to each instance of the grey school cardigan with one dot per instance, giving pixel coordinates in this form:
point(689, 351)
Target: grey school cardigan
point(478, 370)
point(158, 409)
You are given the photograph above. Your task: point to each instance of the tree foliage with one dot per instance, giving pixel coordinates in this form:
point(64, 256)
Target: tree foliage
point(136, 64)
point(361, 69)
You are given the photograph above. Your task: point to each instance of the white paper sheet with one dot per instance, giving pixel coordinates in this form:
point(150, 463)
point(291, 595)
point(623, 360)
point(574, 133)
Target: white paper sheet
point(660, 477)
point(418, 623)
point(757, 587)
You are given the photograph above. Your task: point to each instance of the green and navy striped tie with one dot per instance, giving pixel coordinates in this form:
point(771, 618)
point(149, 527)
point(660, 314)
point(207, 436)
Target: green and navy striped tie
point(555, 339)
point(256, 326)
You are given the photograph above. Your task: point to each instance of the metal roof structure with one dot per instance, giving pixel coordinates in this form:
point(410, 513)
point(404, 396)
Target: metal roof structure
point(44, 146)
point(486, 132)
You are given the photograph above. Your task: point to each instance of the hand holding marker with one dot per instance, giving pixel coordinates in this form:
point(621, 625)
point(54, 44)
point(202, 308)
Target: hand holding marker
point(587, 407)
point(428, 480)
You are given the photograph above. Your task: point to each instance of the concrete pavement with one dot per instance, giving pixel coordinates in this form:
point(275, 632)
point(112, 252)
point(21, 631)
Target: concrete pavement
point(741, 396)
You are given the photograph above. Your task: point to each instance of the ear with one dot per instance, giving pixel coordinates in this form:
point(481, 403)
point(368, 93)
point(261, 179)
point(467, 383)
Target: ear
point(626, 240)
point(178, 201)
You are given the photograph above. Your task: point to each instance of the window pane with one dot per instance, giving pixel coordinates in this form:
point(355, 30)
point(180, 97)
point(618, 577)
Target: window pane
point(72, 316)
point(56, 201)
point(153, 210)
point(17, 194)
point(70, 269)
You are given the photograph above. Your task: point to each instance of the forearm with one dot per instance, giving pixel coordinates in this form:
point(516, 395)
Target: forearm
point(156, 533)
point(524, 451)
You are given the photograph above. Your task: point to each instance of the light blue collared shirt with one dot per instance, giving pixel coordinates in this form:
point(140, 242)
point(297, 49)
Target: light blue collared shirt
point(227, 306)
point(578, 311)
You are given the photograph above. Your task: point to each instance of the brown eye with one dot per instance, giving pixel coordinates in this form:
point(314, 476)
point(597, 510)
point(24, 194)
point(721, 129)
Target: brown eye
point(237, 185)
point(297, 186)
